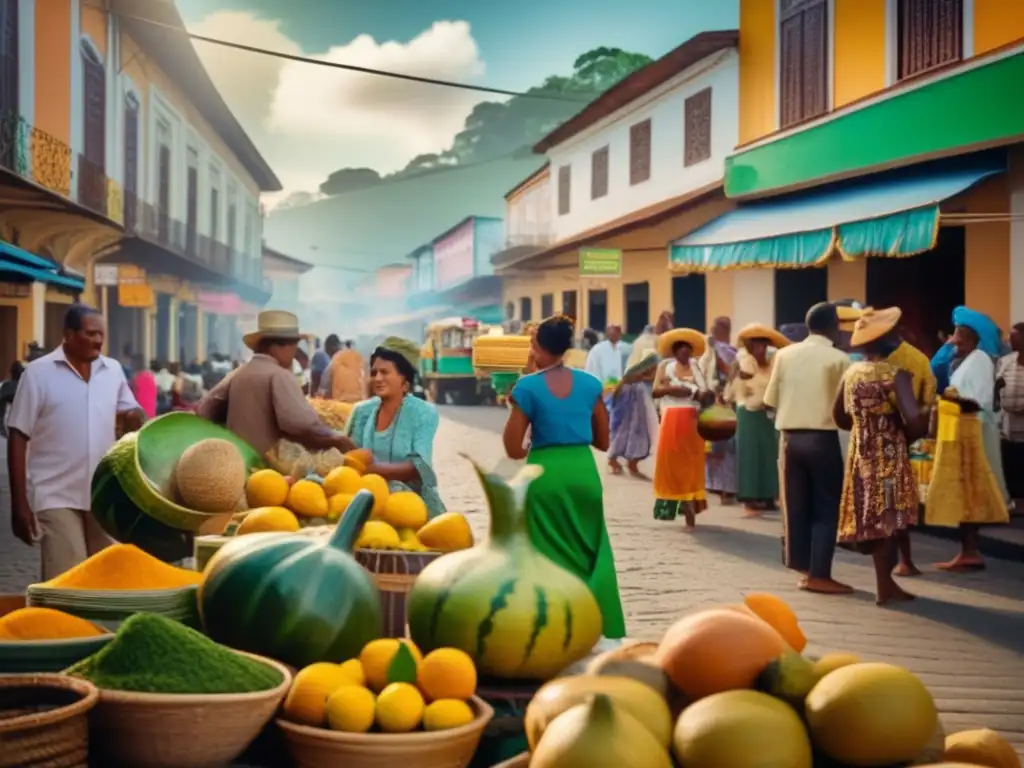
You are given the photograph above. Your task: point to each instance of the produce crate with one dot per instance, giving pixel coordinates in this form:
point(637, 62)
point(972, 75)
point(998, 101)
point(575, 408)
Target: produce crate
point(394, 572)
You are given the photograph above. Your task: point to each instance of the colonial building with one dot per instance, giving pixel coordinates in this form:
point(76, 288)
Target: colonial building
point(121, 164)
point(638, 167)
point(878, 160)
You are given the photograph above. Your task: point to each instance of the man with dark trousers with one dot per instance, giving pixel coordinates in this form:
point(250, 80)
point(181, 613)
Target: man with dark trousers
point(804, 381)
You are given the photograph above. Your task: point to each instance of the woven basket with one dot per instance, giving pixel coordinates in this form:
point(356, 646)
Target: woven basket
point(322, 748)
point(519, 761)
point(43, 721)
point(394, 573)
point(162, 730)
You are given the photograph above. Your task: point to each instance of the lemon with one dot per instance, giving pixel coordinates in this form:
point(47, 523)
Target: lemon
point(399, 708)
point(447, 713)
point(337, 504)
point(405, 509)
point(447, 673)
point(268, 520)
point(377, 534)
point(266, 488)
point(308, 499)
point(410, 542)
point(312, 687)
point(342, 480)
point(376, 658)
point(378, 486)
point(351, 709)
point(353, 671)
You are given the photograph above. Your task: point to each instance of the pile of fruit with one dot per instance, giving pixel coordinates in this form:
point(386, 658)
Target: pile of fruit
point(399, 520)
point(390, 688)
point(332, 413)
point(731, 687)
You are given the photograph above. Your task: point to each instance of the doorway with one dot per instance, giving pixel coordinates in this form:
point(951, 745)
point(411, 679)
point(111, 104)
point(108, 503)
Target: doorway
point(689, 302)
point(796, 291)
point(569, 304)
point(597, 309)
point(927, 288)
point(547, 305)
point(53, 325)
point(636, 297)
point(8, 338)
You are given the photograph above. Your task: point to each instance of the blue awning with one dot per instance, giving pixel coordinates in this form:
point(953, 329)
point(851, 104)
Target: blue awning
point(897, 215)
point(10, 252)
point(48, 276)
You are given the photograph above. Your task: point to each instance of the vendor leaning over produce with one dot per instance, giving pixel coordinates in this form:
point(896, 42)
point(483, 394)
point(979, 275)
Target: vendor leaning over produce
point(260, 401)
point(397, 426)
point(62, 422)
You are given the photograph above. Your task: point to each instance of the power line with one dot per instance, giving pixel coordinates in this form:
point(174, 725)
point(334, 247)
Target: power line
point(583, 99)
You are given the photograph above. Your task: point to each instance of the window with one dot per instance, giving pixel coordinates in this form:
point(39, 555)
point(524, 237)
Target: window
point(564, 187)
point(526, 309)
point(803, 60)
point(599, 173)
point(192, 201)
point(248, 230)
point(569, 303)
point(9, 90)
point(163, 178)
point(597, 309)
point(214, 201)
point(636, 297)
point(640, 152)
point(232, 223)
point(931, 34)
point(131, 160)
point(547, 305)
point(697, 128)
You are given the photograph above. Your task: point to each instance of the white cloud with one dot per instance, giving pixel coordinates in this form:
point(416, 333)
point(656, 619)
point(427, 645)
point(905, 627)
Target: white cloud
point(310, 120)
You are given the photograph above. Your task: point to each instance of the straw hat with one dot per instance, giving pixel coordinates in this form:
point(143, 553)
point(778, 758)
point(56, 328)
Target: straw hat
point(874, 324)
point(848, 316)
point(689, 336)
point(274, 324)
point(758, 331)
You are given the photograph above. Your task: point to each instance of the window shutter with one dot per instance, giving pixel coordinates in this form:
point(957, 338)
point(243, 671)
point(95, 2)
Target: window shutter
point(803, 60)
point(564, 186)
point(640, 152)
point(930, 35)
point(697, 128)
point(599, 173)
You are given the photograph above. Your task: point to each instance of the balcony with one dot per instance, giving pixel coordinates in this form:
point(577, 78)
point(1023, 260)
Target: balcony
point(529, 239)
point(92, 186)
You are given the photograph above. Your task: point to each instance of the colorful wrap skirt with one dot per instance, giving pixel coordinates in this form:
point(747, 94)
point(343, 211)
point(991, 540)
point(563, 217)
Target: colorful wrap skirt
point(679, 466)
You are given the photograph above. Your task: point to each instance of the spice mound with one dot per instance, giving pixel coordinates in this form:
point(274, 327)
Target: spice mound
point(153, 654)
point(124, 567)
point(44, 624)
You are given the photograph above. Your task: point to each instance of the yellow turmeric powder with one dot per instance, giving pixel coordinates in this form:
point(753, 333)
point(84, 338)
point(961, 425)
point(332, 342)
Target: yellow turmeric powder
point(124, 566)
point(44, 624)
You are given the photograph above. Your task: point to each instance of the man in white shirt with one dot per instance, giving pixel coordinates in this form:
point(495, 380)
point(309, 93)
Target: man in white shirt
point(61, 424)
point(607, 359)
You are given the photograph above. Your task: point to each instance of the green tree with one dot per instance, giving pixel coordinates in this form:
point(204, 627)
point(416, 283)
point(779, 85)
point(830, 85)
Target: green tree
point(496, 129)
point(349, 179)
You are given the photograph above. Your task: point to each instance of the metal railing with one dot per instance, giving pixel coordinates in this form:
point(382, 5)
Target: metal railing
point(538, 239)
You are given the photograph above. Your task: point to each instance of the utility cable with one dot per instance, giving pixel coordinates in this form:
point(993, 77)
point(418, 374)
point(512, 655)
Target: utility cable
point(582, 99)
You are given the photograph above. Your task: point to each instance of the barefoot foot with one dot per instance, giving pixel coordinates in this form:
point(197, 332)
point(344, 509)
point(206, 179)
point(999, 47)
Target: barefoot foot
point(907, 570)
point(826, 586)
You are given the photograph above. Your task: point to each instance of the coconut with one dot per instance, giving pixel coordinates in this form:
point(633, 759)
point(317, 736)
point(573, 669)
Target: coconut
point(210, 476)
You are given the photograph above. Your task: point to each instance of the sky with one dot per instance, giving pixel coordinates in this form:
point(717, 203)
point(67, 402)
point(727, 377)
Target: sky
point(309, 120)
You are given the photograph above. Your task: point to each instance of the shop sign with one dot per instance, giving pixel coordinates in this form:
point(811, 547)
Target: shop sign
point(135, 296)
point(129, 274)
point(217, 303)
point(104, 275)
point(15, 290)
point(453, 258)
point(600, 262)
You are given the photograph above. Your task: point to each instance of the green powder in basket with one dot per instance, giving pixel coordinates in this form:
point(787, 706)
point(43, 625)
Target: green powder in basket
point(153, 654)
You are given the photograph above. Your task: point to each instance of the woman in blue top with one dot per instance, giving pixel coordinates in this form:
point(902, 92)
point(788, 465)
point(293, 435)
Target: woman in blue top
point(396, 426)
point(565, 413)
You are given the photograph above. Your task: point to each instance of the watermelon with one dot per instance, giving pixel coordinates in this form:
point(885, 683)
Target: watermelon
point(131, 487)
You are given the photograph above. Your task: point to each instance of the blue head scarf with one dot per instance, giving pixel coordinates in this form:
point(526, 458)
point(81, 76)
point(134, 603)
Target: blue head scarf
point(990, 342)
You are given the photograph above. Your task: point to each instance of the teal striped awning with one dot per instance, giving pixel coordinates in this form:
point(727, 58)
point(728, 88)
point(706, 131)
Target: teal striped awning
point(19, 265)
point(895, 216)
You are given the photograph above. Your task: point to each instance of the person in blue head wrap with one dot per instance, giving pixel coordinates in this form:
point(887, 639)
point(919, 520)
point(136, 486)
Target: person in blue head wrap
point(990, 341)
point(968, 488)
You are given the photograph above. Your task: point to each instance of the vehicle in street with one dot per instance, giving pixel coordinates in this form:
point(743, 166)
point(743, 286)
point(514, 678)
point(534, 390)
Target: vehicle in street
point(446, 363)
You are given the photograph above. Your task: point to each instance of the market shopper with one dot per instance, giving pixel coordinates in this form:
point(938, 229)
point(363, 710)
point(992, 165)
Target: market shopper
point(1010, 393)
point(802, 390)
point(634, 419)
point(396, 426)
point(680, 389)
point(345, 377)
point(261, 401)
point(564, 410)
point(321, 362)
point(757, 442)
point(876, 402)
point(716, 365)
point(61, 424)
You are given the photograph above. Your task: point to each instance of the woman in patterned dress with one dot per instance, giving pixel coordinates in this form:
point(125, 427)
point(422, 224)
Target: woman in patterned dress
point(876, 403)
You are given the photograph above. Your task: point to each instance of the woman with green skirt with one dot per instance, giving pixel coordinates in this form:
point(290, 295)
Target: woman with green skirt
point(757, 442)
point(565, 414)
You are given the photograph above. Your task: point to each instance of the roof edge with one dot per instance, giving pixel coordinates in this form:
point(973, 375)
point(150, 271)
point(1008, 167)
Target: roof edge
point(546, 168)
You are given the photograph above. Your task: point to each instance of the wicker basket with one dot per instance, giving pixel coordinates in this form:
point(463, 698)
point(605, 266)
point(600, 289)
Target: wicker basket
point(43, 721)
point(519, 761)
point(394, 573)
point(322, 748)
point(154, 730)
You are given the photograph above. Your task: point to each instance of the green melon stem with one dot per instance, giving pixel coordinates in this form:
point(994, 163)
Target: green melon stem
point(507, 501)
point(601, 708)
point(347, 531)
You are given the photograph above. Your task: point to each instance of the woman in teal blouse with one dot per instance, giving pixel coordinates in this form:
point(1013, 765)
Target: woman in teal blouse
point(396, 426)
point(563, 409)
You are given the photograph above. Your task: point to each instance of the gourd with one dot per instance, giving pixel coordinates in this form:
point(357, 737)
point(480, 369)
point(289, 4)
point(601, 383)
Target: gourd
point(563, 693)
point(514, 611)
point(598, 734)
point(717, 423)
point(717, 650)
point(297, 599)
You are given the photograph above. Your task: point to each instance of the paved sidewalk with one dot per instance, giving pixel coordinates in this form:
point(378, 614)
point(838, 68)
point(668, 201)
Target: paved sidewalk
point(964, 635)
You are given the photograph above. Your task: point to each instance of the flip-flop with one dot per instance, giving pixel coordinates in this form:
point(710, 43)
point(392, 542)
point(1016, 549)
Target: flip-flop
point(960, 567)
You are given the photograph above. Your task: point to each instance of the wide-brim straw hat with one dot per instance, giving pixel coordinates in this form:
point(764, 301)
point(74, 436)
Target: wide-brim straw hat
point(874, 324)
point(689, 336)
point(274, 324)
point(848, 316)
point(759, 331)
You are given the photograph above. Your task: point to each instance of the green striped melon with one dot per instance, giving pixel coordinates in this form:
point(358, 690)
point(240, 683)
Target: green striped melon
point(131, 487)
point(514, 611)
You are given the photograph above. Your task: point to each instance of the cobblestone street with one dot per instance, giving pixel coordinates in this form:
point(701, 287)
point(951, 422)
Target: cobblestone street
point(964, 635)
